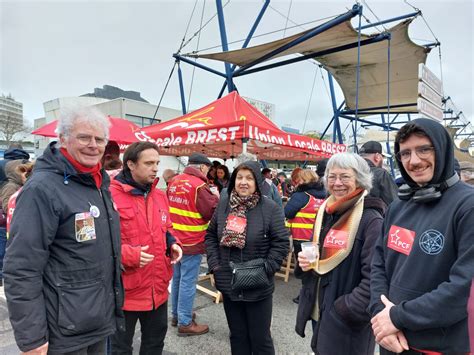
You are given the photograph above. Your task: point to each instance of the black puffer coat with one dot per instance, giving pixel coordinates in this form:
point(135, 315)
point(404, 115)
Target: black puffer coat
point(267, 238)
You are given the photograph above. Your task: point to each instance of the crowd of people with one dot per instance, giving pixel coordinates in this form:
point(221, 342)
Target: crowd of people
point(93, 245)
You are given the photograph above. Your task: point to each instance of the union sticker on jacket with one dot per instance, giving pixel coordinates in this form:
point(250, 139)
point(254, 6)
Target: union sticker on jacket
point(400, 239)
point(85, 227)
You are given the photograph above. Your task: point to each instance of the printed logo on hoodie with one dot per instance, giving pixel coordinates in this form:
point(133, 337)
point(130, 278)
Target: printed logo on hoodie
point(431, 242)
point(400, 239)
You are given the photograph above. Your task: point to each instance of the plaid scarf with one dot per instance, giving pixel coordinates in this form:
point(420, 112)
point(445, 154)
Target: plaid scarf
point(238, 207)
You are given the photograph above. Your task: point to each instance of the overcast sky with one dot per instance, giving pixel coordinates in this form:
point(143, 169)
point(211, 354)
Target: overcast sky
point(67, 48)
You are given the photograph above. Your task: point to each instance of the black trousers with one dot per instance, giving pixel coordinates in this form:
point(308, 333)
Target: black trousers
point(94, 349)
point(249, 325)
point(296, 250)
point(153, 324)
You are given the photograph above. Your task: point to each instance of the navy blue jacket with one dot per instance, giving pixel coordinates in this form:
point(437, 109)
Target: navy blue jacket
point(299, 198)
point(344, 324)
point(428, 279)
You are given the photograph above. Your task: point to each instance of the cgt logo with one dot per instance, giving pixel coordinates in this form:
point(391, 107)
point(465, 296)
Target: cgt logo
point(194, 120)
point(400, 239)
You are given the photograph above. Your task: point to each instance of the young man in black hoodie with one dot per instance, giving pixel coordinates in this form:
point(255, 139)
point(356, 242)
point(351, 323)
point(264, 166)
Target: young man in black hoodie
point(424, 263)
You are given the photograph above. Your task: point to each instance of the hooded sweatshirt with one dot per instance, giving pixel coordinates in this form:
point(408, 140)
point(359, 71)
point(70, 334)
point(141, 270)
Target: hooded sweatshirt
point(424, 262)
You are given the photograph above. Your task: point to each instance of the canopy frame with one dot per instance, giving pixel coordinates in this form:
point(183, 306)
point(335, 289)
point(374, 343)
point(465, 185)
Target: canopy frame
point(231, 72)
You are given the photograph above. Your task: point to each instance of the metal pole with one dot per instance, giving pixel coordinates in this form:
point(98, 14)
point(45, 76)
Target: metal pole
point(369, 123)
point(244, 145)
point(368, 109)
point(378, 38)
point(331, 121)
point(247, 40)
point(413, 14)
point(196, 64)
point(336, 126)
point(220, 16)
point(387, 144)
point(181, 90)
point(354, 127)
point(255, 25)
point(332, 23)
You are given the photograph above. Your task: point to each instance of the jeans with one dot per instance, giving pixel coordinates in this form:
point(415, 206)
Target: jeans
point(183, 290)
point(249, 325)
point(3, 245)
point(153, 324)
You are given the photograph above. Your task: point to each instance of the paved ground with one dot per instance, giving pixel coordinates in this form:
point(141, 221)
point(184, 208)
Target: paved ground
point(217, 340)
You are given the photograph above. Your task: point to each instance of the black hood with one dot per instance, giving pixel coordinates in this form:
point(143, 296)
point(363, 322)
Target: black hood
point(52, 160)
point(16, 154)
point(444, 152)
point(255, 167)
point(376, 204)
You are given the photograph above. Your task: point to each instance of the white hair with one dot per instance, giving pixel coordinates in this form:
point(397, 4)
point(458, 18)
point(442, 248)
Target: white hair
point(86, 114)
point(243, 157)
point(351, 161)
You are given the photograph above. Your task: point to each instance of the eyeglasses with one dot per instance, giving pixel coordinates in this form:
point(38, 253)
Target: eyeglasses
point(344, 178)
point(85, 139)
point(422, 152)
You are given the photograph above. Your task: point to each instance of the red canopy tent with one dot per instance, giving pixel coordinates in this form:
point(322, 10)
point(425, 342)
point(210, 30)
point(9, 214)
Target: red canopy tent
point(228, 126)
point(121, 131)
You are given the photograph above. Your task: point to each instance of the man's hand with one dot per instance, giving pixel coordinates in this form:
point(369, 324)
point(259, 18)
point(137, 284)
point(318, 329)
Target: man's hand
point(382, 324)
point(396, 343)
point(303, 262)
point(176, 253)
point(145, 258)
point(40, 350)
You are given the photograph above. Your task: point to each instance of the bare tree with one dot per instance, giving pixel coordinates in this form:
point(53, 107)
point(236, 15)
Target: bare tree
point(10, 125)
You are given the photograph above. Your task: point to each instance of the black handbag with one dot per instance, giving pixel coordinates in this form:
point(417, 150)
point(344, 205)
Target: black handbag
point(249, 275)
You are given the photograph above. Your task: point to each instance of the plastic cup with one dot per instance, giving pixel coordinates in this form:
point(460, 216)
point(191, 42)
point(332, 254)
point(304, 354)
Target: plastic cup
point(311, 252)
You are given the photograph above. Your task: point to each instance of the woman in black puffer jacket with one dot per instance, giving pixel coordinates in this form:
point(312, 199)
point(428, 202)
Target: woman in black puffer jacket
point(260, 233)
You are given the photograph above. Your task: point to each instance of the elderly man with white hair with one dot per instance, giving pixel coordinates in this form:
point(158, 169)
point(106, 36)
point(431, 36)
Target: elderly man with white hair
point(62, 267)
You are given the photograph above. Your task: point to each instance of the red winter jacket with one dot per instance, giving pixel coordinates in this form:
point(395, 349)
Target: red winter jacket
point(143, 221)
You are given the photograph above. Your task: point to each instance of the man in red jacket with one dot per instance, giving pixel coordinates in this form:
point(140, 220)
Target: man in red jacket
point(148, 249)
point(192, 205)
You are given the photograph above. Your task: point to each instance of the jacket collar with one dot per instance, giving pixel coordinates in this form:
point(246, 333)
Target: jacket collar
point(195, 172)
point(125, 185)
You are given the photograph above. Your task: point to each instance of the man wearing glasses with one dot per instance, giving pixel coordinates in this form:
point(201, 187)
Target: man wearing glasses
point(62, 268)
point(424, 262)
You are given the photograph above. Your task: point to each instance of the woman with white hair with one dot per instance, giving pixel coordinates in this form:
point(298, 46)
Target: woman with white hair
point(335, 292)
